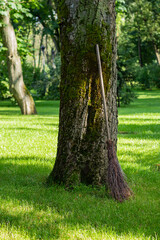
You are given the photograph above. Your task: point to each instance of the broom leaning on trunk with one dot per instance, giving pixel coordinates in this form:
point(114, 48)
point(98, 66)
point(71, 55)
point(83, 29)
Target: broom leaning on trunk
point(116, 182)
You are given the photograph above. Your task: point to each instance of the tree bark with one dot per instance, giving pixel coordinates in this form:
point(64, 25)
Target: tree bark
point(82, 151)
point(17, 86)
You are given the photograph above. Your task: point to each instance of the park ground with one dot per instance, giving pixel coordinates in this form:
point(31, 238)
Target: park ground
point(30, 210)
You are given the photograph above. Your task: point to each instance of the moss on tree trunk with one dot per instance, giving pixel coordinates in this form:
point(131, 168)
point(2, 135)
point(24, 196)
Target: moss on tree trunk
point(82, 150)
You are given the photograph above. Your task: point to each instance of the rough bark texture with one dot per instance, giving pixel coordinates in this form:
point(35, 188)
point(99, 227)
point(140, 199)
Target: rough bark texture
point(82, 149)
point(17, 86)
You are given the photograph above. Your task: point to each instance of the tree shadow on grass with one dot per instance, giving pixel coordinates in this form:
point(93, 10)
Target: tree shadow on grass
point(34, 129)
point(10, 112)
point(51, 212)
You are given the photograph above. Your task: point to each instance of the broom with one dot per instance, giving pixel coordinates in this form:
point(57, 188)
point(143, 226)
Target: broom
point(116, 183)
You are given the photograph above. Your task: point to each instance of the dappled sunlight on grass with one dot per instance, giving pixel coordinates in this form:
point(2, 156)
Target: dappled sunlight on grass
point(31, 210)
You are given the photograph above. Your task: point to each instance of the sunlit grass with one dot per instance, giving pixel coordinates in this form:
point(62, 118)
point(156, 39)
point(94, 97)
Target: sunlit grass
point(30, 210)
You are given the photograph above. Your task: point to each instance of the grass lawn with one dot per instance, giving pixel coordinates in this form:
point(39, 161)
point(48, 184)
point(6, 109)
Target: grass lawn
point(30, 210)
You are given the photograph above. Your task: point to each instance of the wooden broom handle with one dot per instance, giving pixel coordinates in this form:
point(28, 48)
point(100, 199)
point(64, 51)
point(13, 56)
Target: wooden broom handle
point(102, 90)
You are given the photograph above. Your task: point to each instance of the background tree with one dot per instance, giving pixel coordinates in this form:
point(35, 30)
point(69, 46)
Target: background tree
point(17, 86)
point(138, 44)
point(125, 93)
point(28, 30)
point(47, 16)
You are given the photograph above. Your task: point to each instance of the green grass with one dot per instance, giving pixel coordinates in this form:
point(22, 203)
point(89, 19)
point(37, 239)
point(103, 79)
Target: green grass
point(30, 210)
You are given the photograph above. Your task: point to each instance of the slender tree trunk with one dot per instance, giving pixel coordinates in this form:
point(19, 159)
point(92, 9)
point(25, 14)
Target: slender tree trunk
point(53, 58)
point(43, 59)
point(40, 50)
point(17, 86)
point(157, 51)
point(34, 52)
point(82, 150)
point(47, 54)
point(140, 52)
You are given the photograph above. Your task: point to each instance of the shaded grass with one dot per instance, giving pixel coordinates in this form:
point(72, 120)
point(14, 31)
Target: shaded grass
point(30, 210)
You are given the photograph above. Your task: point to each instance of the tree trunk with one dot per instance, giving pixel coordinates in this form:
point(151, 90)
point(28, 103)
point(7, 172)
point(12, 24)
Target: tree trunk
point(157, 51)
point(40, 50)
point(33, 44)
point(47, 54)
point(140, 52)
point(82, 150)
point(17, 86)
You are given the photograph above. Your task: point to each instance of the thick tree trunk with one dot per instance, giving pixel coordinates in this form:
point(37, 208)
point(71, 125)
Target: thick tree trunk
point(17, 86)
point(82, 150)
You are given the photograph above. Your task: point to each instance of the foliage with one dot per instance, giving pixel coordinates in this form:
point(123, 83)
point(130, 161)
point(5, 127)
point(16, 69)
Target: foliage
point(148, 76)
point(53, 91)
point(16, 6)
point(120, 7)
point(46, 15)
point(4, 89)
point(4, 82)
point(43, 84)
point(146, 18)
point(138, 34)
point(138, 37)
point(31, 211)
point(26, 15)
point(125, 87)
